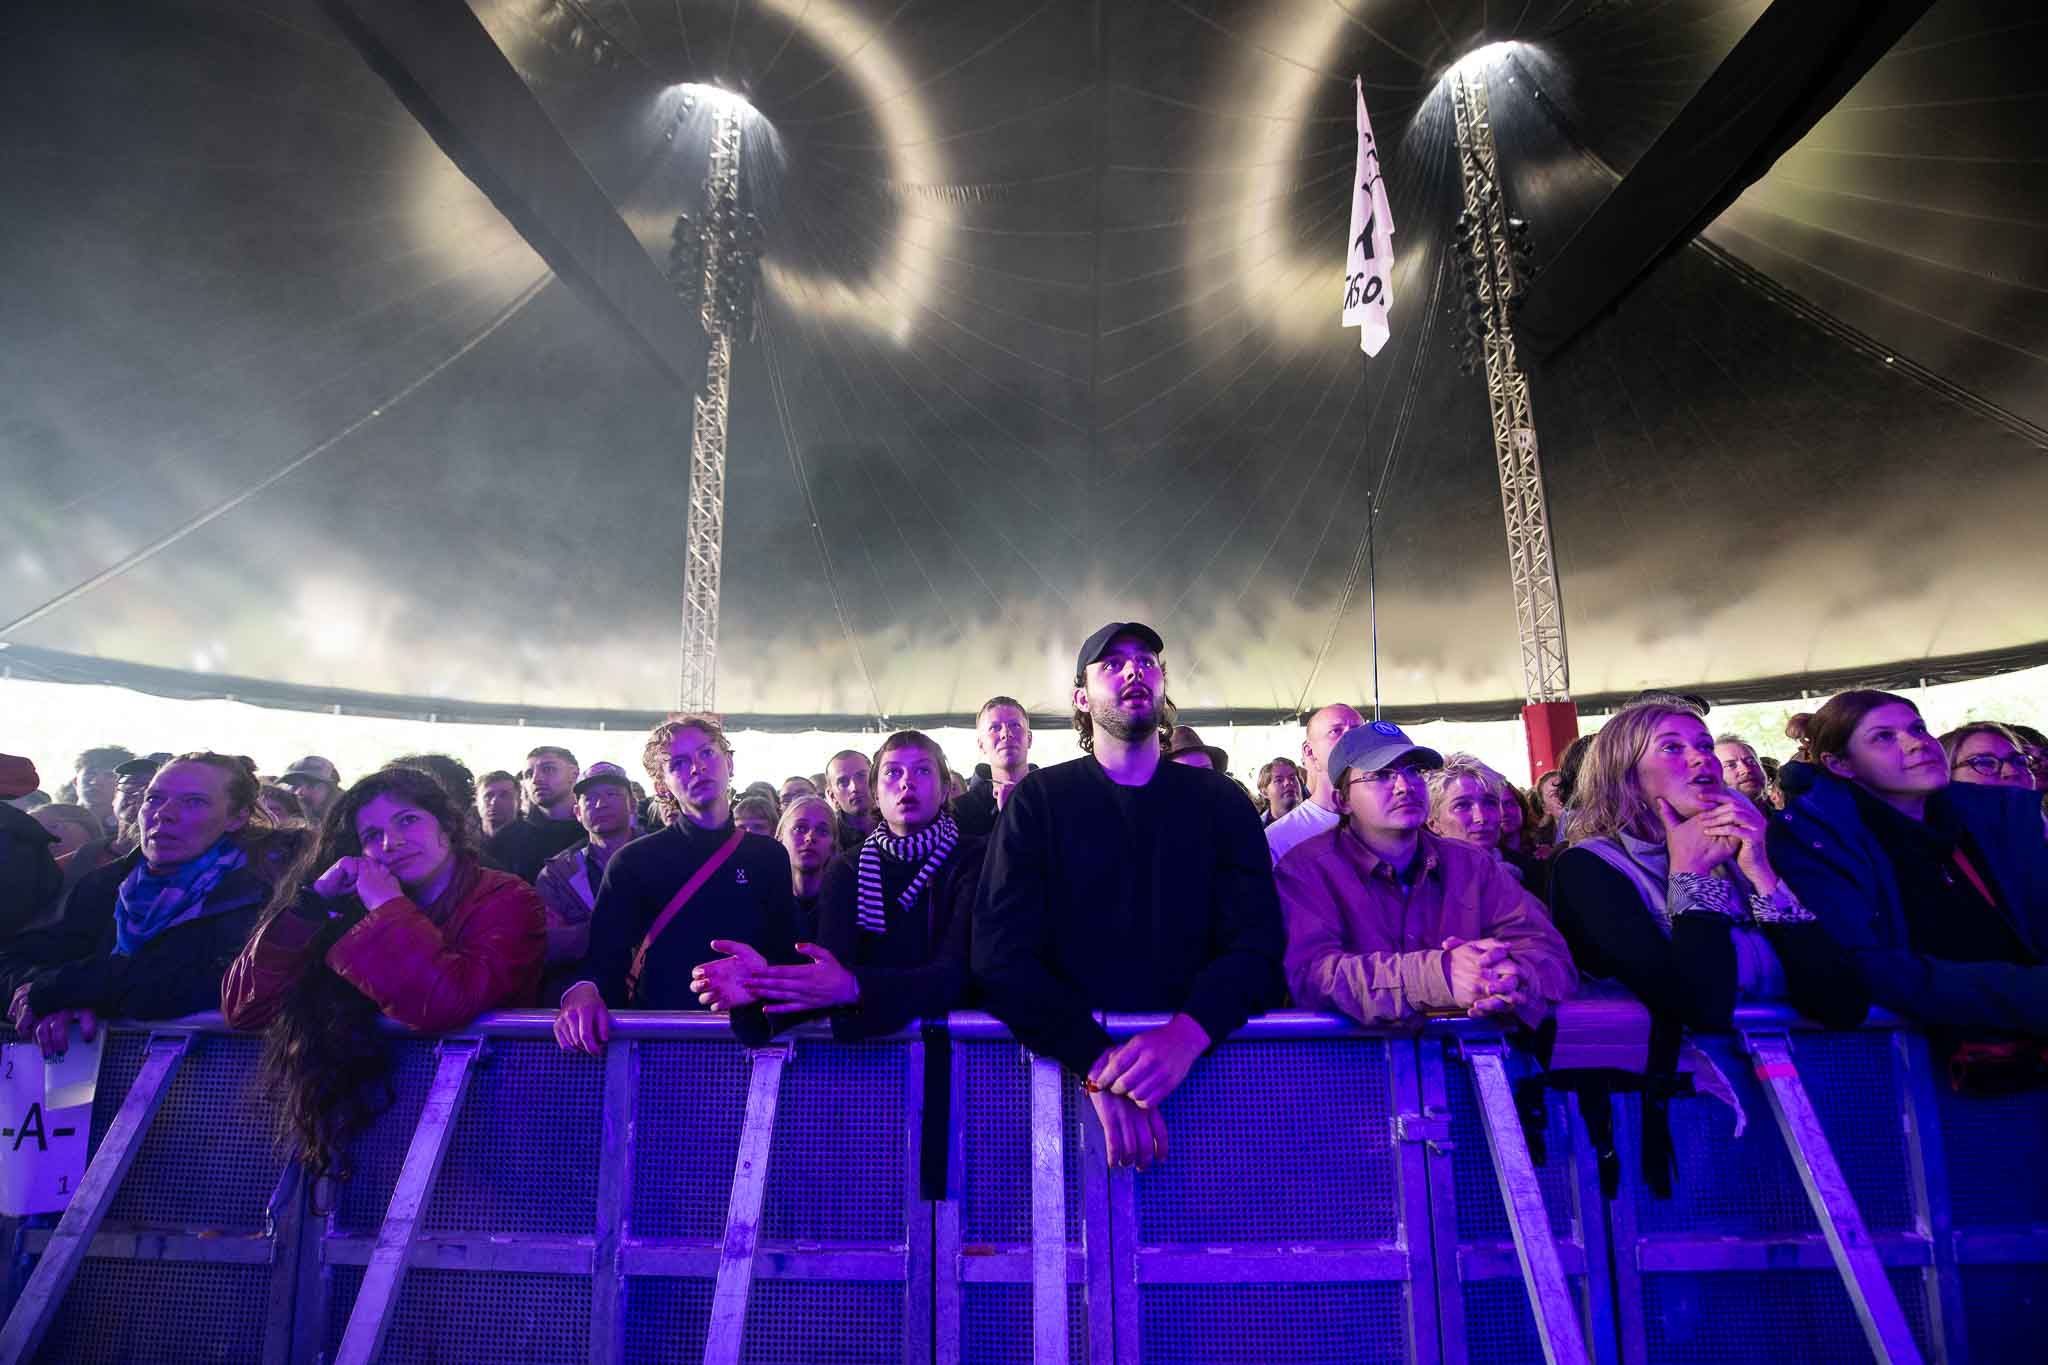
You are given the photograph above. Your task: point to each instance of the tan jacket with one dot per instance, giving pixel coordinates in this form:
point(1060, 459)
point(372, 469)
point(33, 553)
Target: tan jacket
point(1359, 945)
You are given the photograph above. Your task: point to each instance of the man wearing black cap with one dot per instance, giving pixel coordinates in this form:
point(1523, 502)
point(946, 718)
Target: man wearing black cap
point(569, 880)
point(1122, 882)
point(1388, 923)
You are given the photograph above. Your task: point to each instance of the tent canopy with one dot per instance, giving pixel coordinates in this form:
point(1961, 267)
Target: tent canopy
point(331, 373)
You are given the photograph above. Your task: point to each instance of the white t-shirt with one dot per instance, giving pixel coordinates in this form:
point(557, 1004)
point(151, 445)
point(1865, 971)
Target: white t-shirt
point(1305, 821)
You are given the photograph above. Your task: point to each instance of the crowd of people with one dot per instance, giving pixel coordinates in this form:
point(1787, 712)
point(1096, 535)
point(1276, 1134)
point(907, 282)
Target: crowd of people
point(1366, 875)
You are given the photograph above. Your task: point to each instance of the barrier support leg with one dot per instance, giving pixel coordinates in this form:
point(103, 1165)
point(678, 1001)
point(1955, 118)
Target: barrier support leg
point(37, 1307)
point(1856, 1258)
point(1550, 1297)
point(377, 1301)
point(614, 1189)
point(1048, 1215)
point(743, 1212)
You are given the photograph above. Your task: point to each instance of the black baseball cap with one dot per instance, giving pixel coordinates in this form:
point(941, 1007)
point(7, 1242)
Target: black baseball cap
point(1096, 645)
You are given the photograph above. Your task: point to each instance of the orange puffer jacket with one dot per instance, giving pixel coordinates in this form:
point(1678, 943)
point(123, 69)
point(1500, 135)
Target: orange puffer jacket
point(486, 954)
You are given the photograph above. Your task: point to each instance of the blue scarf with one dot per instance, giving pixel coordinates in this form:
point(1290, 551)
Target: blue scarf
point(149, 904)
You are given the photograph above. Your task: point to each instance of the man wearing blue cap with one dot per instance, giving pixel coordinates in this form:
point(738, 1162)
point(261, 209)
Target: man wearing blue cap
point(1387, 923)
point(1122, 882)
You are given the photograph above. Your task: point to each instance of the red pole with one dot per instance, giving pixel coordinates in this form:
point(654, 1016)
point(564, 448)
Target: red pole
point(1550, 726)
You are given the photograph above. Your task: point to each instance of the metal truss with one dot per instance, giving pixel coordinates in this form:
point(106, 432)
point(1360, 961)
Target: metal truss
point(1539, 613)
point(705, 547)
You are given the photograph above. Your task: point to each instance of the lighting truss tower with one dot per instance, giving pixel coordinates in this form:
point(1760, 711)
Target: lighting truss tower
point(714, 263)
point(1490, 246)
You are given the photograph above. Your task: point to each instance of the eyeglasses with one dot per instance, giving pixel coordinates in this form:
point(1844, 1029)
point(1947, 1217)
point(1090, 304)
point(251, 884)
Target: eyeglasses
point(1990, 765)
point(1386, 776)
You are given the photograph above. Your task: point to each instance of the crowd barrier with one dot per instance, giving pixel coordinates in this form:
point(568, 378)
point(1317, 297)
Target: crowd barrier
point(941, 1196)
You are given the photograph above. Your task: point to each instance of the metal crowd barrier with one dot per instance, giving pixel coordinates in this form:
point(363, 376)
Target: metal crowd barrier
point(1330, 1194)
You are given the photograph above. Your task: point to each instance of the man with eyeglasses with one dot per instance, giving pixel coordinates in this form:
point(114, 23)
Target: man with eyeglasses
point(1388, 923)
point(1121, 882)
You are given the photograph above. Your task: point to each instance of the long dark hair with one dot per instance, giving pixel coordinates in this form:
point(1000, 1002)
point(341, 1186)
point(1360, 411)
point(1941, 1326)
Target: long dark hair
point(325, 1061)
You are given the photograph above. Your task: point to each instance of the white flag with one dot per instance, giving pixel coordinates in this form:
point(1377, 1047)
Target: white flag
point(1369, 261)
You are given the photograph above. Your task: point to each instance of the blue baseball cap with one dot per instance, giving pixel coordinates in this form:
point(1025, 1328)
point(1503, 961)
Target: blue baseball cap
point(1380, 744)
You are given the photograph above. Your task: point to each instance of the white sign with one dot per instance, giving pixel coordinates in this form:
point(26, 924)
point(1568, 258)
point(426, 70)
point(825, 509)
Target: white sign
point(1369, 260)
point(42, 1149)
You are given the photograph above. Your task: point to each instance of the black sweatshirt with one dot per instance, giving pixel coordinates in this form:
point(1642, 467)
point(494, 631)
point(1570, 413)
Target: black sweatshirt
point(747, 899)
point(1690, 973)
point(1152, 899)
point(524, 846)
point(917, 967)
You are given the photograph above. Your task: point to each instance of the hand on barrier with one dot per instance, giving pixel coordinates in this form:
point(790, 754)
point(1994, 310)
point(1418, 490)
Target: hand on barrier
point(1471, 965)
point(1133, 1136)
point(53, 1031)
point(19, 1015)
point(724, 984)
point(822, 985)
point(584, 1024)
point(1149, 1066)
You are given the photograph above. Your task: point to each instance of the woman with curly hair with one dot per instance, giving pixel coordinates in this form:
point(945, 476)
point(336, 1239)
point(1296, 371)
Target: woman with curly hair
point(402, 922)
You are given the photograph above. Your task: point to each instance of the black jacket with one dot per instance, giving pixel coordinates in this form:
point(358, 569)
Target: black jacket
point(178, 972)
point(29, 877)
point(524, 846)
point(917, 967)
point(1132, 899)
point(748, 899)
point(1688, 975)
point(976, 811)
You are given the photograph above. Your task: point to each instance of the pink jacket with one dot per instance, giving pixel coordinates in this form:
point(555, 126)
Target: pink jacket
point(1359, 946)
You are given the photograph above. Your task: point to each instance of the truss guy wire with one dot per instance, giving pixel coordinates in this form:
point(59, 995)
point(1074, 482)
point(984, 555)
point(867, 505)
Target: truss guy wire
point(221, 509)
point(780, 396)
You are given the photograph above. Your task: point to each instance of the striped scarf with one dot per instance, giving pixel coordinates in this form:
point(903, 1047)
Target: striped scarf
point(930, 846)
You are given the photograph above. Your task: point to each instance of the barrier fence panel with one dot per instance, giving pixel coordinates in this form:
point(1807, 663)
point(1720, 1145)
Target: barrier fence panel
point(1329, 1194)
point(1735, 1265)
point(1991, 1164)
point(1290, 1221)
point(983, 1226)
point(1486, 1300)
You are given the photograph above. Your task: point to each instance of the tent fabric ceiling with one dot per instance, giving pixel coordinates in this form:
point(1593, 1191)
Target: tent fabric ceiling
point(1048, 337)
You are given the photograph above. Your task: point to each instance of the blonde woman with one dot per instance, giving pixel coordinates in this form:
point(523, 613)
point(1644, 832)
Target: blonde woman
point(1667, 888)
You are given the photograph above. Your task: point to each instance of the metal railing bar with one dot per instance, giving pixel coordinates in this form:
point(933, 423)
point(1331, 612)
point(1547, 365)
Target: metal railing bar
point(67, 1249)
point(1550, 1297)
point(614, 1191)
point(377, 1299)
point(1048, 1214)
point(1927, 1187)
point(1660, 1252)
point(146, 1245)
point(1281, 1265)
point(1856, 1258)
point(727, 1332)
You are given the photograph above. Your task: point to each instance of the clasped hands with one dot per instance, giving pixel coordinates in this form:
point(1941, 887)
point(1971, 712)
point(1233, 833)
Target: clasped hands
point(1483, 978)
point(1728, 827)
point(744, 977)
point(1130, 1081)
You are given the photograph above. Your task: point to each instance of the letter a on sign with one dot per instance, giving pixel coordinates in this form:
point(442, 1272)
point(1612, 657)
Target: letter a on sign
point(1369, 258)
point(42, 1148)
